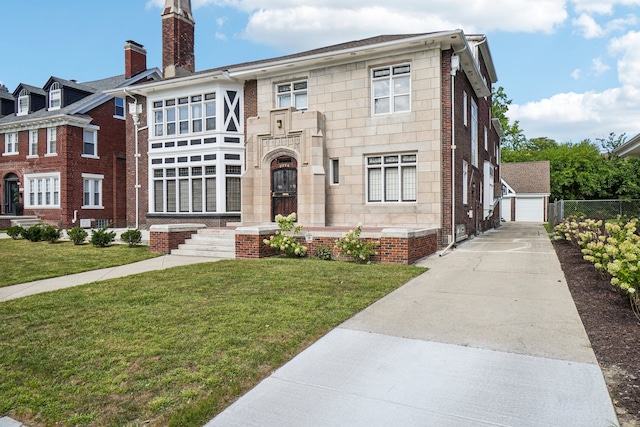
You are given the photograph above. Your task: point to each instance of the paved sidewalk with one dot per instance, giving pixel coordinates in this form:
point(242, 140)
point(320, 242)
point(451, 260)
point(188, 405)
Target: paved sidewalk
point(488, 337)
point(159, 263)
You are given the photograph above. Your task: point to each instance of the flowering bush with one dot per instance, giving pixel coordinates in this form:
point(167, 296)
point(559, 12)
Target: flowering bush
point(353, 247)
point(284, 241)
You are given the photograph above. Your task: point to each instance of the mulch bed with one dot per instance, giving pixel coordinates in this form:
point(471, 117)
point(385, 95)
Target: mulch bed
point(612, 327)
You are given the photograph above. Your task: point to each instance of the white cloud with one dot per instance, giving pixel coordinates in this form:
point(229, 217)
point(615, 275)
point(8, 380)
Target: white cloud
point(599, 67)
point(629, 63)
point(576, 74)
point(588, 27)
point(603, 7)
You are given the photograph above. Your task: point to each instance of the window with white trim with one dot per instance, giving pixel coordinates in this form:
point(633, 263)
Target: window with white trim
point(92, 191)
point(391, 89)
point(10, 143)
point(465, 108)
point(119, 107)
point(185, 189)
point(23, 102)
point(292, 94)
point(52, 145)
point(391, 178)
point(188, 114)
point(42, 190)
point(474, 133)
point(90, 143)
point(55, 96)
point(233, 187)
point(486, 139)
point(334, 171)
point(465, 182)
point(33, 143)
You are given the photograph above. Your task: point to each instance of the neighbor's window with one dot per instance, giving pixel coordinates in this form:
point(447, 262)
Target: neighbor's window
point(52, 145)
point(391, 88)
point(119, 107)
point(92, 197)
point(465, 182)
point(292, 94)
point(23, 102)
point(474, 133)
point(11, 143)
point(90, 143)
point(33, 143)
point(391, 178)
point(42, 191)
point(55, 96)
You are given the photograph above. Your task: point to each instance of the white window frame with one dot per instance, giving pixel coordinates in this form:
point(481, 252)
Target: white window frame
point(94, 143)
point(474, 133)
point(386, 85)
point(185, 115)
point(119, 108)
point(92, 184)
point(33, 143)
point(465, 108)
point(23, 102)
point(334, 171)
point(10, 144)
point(489, 184)
point(465, 182)
point(392, 186)
point(52, 141)
point(55, 97)
point(42, 191)
point(292, 94)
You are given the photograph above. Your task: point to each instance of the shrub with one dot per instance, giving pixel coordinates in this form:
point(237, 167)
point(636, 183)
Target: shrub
point(15, 232)
point(102, 238)
point(131, 237)
point(77, 235)
point(284, 241)
point(50, 233)
point(351, 246)
point(325, 252)
point(33, 233)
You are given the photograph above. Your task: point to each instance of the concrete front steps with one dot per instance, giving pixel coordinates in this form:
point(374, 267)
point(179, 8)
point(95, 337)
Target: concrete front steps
point(25, 221)
point(216, 243)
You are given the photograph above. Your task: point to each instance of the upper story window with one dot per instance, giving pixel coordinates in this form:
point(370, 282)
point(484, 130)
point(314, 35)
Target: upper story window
point(474, 133)
point(33, 143)
point(391, 87)
point(119, 107)
point(52, 136)
point(292, 94)
point(90, 143)
point(55, 96)
point(391, 178)
point(23, 102)
point(184, 115)
point(11, 143)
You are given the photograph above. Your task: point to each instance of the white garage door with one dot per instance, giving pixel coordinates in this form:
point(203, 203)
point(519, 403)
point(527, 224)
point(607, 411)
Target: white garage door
point(530, 209)
point(505, 209)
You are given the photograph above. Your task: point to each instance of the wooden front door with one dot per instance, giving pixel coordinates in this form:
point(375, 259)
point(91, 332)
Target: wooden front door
point(284, 186)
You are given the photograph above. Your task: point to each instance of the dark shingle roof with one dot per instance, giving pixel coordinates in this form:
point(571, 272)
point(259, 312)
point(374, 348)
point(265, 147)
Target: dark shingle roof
point(4, 94)
point(527, 177)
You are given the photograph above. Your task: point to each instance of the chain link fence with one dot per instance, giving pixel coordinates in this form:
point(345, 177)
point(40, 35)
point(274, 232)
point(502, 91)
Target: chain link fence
point(596, 209)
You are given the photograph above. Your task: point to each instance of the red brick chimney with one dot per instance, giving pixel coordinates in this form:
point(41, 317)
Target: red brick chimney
point(177, 38)
point(135, 59)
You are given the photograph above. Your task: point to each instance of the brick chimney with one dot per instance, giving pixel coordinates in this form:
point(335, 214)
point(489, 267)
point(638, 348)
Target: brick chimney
point(135, 58)
point(177, 38)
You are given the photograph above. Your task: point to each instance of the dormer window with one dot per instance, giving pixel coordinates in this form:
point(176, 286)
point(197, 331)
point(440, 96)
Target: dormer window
point(55, 96)
point(23, 102)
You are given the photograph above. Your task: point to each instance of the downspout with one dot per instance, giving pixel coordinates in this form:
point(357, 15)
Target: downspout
point(455, 66)
point(135, 109)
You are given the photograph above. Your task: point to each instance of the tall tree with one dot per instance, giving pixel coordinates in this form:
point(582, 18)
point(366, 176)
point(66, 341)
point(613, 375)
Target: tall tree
point(513, 136)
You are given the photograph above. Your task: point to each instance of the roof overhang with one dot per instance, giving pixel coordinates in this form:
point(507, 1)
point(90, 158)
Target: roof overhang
point(631, 148)
point(49, 121)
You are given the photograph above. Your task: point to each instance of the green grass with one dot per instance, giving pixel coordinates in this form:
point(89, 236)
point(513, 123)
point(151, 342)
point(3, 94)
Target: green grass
point(22, 261)
point(172, 347)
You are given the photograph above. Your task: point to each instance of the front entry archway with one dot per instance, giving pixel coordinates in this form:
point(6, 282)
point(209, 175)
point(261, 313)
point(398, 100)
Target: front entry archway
point(10, 186)
point(284, 186)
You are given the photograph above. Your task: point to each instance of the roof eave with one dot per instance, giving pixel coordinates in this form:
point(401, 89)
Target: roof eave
point(630, 148)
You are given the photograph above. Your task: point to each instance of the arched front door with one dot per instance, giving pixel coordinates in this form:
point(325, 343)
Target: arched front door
point(10, 190)
point(284, 186)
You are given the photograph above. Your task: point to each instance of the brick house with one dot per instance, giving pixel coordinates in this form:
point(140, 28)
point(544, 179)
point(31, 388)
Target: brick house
point(394, 132)
point(63, 147)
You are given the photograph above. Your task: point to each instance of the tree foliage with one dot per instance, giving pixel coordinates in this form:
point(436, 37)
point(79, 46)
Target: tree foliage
point(513, 136)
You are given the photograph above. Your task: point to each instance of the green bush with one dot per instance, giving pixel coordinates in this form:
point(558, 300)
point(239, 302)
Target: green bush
point(351, 246)
point(131, 237)
point(15, 232)
point(102, 238)
point(50, 233)
point(77, 235)
point(33, 233)
point(325, 252)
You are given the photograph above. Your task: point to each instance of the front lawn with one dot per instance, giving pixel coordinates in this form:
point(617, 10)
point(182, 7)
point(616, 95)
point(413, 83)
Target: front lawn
point(22, 261)
point(172, 347)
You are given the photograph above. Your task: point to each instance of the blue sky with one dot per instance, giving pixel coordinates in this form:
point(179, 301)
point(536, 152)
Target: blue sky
point(570, 67)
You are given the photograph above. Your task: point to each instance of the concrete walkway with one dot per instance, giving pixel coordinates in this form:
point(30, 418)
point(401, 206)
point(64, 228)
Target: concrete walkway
point(488, 337)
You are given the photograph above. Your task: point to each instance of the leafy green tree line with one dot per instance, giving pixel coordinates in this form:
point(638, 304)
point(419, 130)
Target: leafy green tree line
point(579, 171)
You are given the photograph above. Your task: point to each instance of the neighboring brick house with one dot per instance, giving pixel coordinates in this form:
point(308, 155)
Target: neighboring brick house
point(63, 147)
point(526, 187)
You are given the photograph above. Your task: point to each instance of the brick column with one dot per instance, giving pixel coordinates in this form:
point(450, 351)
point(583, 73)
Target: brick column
point(164, 238)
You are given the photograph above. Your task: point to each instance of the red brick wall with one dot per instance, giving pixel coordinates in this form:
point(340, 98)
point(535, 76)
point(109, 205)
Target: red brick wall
point(164, 242)
point(177, 43)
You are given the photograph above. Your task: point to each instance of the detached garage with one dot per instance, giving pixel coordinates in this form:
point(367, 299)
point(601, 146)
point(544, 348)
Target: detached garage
point(526, 188)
